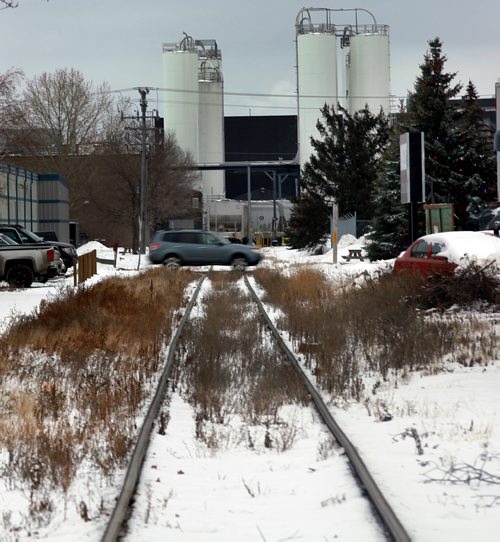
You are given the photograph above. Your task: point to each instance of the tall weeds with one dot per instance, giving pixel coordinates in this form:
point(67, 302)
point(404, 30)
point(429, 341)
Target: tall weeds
point(74, 375)
point(343, 330)
point(229, 368)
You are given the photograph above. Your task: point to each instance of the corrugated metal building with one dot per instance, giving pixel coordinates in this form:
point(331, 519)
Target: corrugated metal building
point(37, 201)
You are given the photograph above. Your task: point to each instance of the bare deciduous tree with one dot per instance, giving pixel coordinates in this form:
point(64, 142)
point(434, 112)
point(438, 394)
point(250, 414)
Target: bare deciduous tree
point(67, 109)
point(4, 4)
point(116, 198)
point(77, 131)
point(9, 82)
point(170, 184)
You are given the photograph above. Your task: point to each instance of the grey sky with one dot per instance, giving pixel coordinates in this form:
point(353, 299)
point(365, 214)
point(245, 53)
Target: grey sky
point(119, 41)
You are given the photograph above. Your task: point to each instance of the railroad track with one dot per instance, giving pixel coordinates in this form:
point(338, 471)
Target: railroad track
point(386, 517)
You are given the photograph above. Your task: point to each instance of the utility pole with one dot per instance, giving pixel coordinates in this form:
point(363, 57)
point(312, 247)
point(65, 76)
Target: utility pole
point(141, 124)
point(143, 215)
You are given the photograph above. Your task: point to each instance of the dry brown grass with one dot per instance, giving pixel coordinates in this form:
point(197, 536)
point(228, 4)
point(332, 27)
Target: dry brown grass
point(229, 367)
point(469, 285)
point(342, 332)
point(115, 315)
point(74, 375)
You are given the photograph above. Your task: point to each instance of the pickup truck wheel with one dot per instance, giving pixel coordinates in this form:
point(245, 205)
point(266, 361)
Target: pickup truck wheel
point(172, 263)
point(20, 275)
point(239, 263)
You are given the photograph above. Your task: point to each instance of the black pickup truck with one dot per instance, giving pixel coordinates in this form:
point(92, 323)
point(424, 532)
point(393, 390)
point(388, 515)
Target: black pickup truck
point(21, 235)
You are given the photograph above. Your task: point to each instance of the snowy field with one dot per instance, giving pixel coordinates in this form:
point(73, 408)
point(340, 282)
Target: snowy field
point(436, 457)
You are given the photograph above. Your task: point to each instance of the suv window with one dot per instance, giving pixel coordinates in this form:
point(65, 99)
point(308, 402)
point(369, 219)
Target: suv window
point(191, 237)
point(180, 237)
point(208, 239)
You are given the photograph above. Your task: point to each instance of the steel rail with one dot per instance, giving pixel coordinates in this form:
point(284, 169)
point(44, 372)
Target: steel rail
point(386, 514)
point(122, 505)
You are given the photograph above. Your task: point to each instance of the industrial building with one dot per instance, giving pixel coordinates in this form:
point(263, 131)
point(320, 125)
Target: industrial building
point(194, 105)
point(337, 62)
point(248, 167)
point(37, 201)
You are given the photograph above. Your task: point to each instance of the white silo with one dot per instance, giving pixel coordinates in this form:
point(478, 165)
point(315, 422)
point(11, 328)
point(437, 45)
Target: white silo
point(316, 75)
point(211, 117)
point(181, 110)
point(355, 74)
point(368, 69)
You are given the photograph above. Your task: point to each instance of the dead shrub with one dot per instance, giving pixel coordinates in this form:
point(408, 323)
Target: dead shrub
point(77, 371)
point(373, 325)
point(469, 285)
point(103, 317)
point(229, 365)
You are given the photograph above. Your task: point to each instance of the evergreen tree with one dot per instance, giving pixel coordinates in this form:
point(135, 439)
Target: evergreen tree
point(388, 235)
point(430, 111)
point(344, 167)
point(346, 159)
point(429, 108)
point(309, 221)
point(474, 155)
point(459, 158)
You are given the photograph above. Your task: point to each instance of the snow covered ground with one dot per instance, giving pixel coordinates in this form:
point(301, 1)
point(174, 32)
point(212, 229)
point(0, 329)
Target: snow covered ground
point(437, 456)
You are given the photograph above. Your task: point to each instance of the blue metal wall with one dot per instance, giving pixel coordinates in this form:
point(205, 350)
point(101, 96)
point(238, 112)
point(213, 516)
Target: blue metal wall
point(39, 202)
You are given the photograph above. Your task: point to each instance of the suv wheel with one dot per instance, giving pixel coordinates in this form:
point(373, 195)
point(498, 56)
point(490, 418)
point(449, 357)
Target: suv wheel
point(172, 262)
point(20, 275)
point(239, 263)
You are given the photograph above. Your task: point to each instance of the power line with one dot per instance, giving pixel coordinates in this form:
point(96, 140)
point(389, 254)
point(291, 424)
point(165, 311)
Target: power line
point(226, 104)
point(342, 98)
point(259, 94)
point(274, 95)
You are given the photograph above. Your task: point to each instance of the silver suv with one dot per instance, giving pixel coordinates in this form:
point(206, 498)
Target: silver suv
point(174, 248)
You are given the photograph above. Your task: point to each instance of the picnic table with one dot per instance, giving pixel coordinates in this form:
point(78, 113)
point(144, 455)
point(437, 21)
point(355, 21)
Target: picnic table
point(354, 254)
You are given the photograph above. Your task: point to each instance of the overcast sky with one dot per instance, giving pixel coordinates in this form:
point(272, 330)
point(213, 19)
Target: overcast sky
point(120, 41)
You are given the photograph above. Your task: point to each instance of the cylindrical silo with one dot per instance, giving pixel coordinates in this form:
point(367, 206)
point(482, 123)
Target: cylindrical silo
point(316, 79)
point(211, 125)
point(368, 69)
point(181, 110)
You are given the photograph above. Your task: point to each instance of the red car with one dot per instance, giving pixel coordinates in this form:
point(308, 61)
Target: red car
point(443, 252)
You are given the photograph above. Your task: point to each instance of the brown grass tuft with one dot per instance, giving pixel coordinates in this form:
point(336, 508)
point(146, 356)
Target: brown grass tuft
point(230, 367)
point(342, 332)
point(75, 374)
